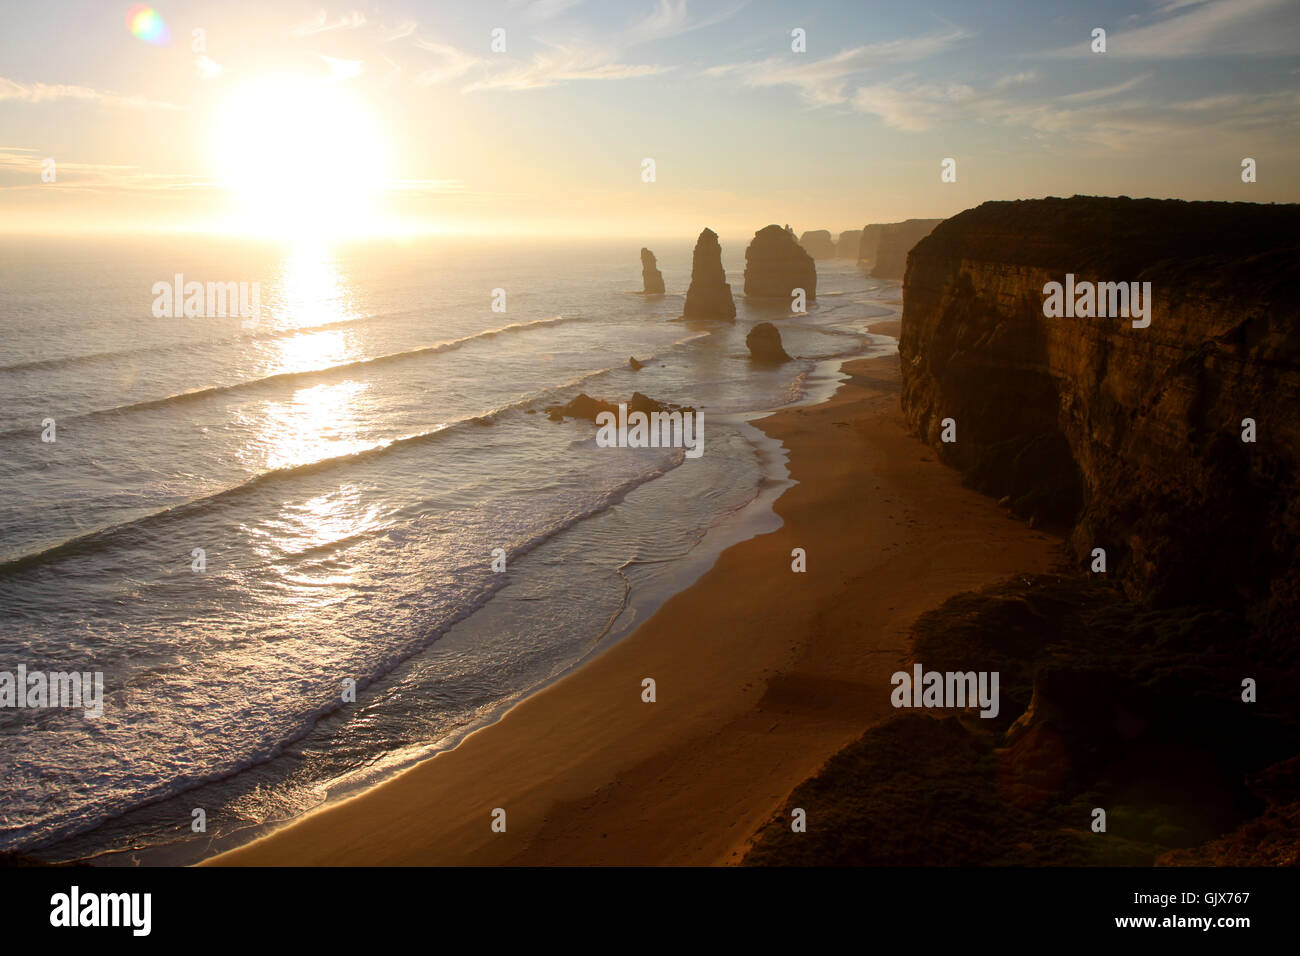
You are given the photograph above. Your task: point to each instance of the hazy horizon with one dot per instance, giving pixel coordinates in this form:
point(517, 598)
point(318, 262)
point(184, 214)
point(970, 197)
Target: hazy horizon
point(392, 120)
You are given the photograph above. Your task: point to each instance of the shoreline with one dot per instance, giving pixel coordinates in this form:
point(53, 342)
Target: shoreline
point(761, 673)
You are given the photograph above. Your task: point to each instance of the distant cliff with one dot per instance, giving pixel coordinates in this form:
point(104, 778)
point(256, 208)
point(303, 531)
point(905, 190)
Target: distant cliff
point(896, 240)
point(868, 244)
point(849, 244)
point(1131, 436)
point(818, 243)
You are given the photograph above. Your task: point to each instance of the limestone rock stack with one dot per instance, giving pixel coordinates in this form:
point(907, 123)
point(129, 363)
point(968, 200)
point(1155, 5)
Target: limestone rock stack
point(775, 265)
point(709, 295)
point(651, 277)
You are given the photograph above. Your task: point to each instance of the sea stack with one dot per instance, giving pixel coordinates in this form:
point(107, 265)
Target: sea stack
point(776, 265)
point(651, 277)
point(819, 243)
point(764, 342)
point(709, 296)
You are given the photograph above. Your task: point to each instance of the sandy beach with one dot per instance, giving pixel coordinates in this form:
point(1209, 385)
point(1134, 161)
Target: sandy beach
point(761, 674)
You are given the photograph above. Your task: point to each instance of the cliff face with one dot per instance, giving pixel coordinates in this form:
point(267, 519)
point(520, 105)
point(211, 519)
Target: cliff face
point(849, 244)
point(709, 295)
point(896, 240)
point(869, 244)
point(775, 265)
point(1131, 435)
point(818, 243)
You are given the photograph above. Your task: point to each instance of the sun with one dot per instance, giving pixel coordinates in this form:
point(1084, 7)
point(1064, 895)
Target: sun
point(300, 157)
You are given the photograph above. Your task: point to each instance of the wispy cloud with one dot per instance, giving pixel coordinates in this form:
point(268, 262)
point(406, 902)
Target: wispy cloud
point(49, 93)
point(404, 29)
point(321, 23)
point(822, 82)
point(538, 10)
point(1102, 92)
point(1204, 28)
point(914, 105)
point(21, 167)
point(671, 18)
point(452, 63)
point(563, 66)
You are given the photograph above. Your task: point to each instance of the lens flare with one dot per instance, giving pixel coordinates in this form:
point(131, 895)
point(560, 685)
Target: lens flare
point(147, 25)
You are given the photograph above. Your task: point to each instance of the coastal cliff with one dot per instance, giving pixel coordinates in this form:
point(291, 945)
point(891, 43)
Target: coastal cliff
point(818, 243)
point(1132, 436)
point(849, 244)
point(895, 240)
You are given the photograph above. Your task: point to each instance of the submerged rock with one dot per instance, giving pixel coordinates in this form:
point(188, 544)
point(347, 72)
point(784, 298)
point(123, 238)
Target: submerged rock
point(709, 296)
point(651, 278)
point(764, 342)
point(775, 265)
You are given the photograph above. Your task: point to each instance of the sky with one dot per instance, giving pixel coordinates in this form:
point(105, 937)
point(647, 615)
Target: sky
point(400, 117)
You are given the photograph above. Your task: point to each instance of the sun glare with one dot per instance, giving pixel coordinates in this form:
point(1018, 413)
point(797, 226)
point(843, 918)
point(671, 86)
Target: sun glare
point(300, 157)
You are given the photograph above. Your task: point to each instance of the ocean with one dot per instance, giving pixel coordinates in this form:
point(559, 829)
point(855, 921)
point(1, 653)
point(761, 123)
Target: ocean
point(236, 521)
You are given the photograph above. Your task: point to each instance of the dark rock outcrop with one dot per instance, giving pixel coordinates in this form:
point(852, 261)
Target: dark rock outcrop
point(764, 342)
point(634, 365)
point(896, 240)
point(775, 265)
point(582, 406)
point(709, 295)
point(849, 244)
point(818, 243)
point(1131, 435)
point(651, 278)
point(1104, 704)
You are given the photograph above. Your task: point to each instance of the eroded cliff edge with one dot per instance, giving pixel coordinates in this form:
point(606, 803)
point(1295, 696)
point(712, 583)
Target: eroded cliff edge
point(1132, 436)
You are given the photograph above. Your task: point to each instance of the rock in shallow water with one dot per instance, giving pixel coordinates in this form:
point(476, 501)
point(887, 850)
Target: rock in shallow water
point(764, 342)
point(651, 278)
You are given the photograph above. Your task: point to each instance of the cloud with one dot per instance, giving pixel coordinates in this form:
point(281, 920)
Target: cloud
point(452, 63)
point(563, 66)
point(321, 23)
point(20, 168)
point(671, 18)
point(403, 29)
point(537, 10)
point(1102, 92)
point(48, 93)
point(1206, 28)
point(821, 82)
point(911, 105)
